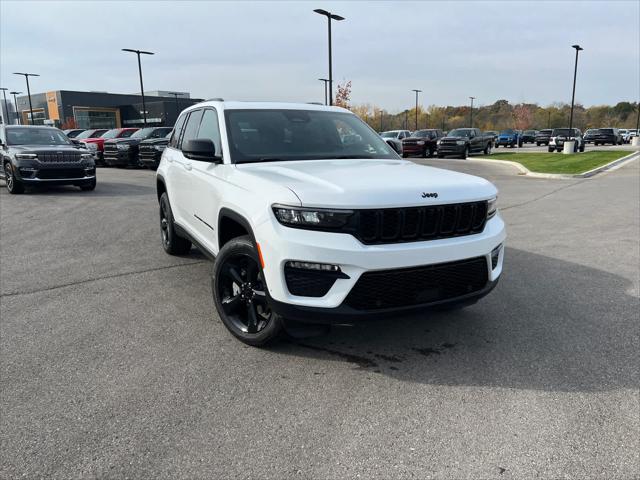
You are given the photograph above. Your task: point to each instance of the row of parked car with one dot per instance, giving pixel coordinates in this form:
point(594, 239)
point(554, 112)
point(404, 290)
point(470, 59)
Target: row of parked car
point(123, 147)
point(429, 142)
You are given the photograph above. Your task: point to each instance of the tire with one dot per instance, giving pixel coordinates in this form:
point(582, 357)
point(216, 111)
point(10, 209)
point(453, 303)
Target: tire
point(14, 185)
point(582, 147)
point(551, 150)
point(465, 154)
point(520, 144)
point(239, 293)
point(440, 155)
point(537, 144)
point(487, 149)
point(405, 155)
point(172, 243)
point(88, 186)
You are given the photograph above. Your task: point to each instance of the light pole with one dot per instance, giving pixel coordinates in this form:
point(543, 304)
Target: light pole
point(417, 92)
point(6, 108)
point(26, 76)
point(140, 52)
point(175, 95)
point(330, 16)
point(573, 95)
point(15, 104)
point(549, 119)
point(471, 112)
point(325, 80)
point(381, 119)
point(406, 119)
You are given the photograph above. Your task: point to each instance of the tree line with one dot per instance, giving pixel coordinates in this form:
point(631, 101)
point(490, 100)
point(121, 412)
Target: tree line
point(499, 116)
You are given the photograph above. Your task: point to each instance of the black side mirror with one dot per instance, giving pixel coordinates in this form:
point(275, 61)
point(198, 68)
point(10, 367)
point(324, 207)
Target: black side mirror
point(201, 149)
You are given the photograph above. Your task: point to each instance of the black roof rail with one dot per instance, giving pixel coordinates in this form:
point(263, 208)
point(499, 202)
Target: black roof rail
point(216, 99)
point(315, 103)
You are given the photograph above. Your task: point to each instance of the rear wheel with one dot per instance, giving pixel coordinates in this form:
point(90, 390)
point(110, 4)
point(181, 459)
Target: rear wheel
point(88, 186)
point(14, 185)
point(172, 243)
point(240, 294)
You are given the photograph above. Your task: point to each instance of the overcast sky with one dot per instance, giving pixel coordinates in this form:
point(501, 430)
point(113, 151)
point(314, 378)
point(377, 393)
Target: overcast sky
point(277, 50)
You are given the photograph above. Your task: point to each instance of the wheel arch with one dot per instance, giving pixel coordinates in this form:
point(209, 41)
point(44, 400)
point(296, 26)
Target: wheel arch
point(232, 224)
point(161, 186)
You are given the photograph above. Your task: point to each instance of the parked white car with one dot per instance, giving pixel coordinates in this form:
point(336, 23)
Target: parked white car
point(312, 218)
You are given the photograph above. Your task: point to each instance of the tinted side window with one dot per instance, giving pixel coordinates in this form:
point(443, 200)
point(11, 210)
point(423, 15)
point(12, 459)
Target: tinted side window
point(177, 130)
point(209, 129)
point(191, 128)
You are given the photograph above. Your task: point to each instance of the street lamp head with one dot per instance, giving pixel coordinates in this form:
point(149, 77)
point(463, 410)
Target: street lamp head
point(15, 93)
point(417, 91)
point(5, 89)
point(577, 47)
point(26, 74)
point(333, 16)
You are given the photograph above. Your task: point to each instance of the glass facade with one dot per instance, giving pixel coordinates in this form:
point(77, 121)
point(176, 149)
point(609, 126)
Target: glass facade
point(86, 118)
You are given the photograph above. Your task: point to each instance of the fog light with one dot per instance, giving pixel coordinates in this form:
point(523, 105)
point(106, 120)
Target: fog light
point(320, 267)
point(495, 255)
point(27, 172)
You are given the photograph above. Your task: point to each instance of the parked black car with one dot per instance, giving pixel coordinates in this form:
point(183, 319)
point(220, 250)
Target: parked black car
point(607, 135)
point(543, 136)
point(463, 141)
point(422, 142)
point(150, 151)
point(123, 152)
point(528, 136)
point(37, 155)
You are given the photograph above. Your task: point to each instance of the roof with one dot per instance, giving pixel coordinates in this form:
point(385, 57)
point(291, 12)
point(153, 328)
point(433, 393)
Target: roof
point(237, 105)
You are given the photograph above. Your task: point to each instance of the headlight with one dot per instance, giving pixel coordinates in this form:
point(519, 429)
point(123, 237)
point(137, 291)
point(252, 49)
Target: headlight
point(122, 146)
point(312, 218)
point(438, 142)
point(26, 156)
point(160, 147)
point(492, 207)
point(91, 146)
point(86, 156)
point(420, 142)
point(460, 142)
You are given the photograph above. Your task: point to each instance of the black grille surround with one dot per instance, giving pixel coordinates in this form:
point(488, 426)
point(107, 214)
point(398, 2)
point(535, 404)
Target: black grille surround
point(424, 285)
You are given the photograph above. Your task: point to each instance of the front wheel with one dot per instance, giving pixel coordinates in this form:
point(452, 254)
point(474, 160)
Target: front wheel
point(14, 185)
point(487, 149)
point(465, 153)
point(240, 294)
point(582, 147)
point(551, 149)
point(88, 186)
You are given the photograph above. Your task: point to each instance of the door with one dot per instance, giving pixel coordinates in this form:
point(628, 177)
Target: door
point(181, 174)
point(171, 156)
point(207, 183)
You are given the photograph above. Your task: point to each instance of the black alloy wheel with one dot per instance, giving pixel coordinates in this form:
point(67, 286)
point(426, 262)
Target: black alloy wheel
point(13, 184)
point(240, 294)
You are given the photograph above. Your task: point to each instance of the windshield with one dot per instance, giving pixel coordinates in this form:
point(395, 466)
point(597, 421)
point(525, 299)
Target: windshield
point(151, 132)
point(390, 134)
point(91, 134)
point(545, 131)
point(460, 132)
point(563, 132)
point(530, 132)
point(508, 131)
point(606, 130)
point(591, 130)
point(273, 135)
point(36, 136)
point(110, 133)
point(421, 134)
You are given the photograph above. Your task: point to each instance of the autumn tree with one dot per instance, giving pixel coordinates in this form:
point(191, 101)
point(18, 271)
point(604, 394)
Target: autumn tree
point(343, 95)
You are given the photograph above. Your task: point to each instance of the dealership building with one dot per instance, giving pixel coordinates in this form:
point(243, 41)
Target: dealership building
point(70, 109)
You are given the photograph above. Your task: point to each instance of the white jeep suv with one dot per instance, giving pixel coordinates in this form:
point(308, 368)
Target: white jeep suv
point(311, 217)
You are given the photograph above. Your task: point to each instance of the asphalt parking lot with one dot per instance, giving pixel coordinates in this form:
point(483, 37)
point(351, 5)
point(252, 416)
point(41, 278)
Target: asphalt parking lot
point(114, 364)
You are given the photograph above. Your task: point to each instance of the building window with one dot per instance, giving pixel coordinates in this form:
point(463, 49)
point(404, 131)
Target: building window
point(94, 118)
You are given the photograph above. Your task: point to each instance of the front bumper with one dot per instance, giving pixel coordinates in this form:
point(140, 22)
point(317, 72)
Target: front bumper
point(506, 141)
point(413, 149)
point(120, 158)
point(280, 244)
point(451, 149)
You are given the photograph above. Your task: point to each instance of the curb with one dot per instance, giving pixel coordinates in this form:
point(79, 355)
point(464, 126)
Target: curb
point(522, 170)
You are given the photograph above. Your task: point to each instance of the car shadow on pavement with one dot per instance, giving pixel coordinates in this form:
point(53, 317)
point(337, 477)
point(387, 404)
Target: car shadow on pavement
point(103, 189)
point(549, 325)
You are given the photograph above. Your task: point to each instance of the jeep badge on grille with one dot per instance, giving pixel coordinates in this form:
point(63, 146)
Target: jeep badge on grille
point(429, 195)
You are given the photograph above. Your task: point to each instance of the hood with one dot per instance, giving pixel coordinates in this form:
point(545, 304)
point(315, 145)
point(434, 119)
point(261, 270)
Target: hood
point(156, 141)
point(44, 148)
point(130, 141)
point(507, 135)
point(92, 140)
point(370, 183)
